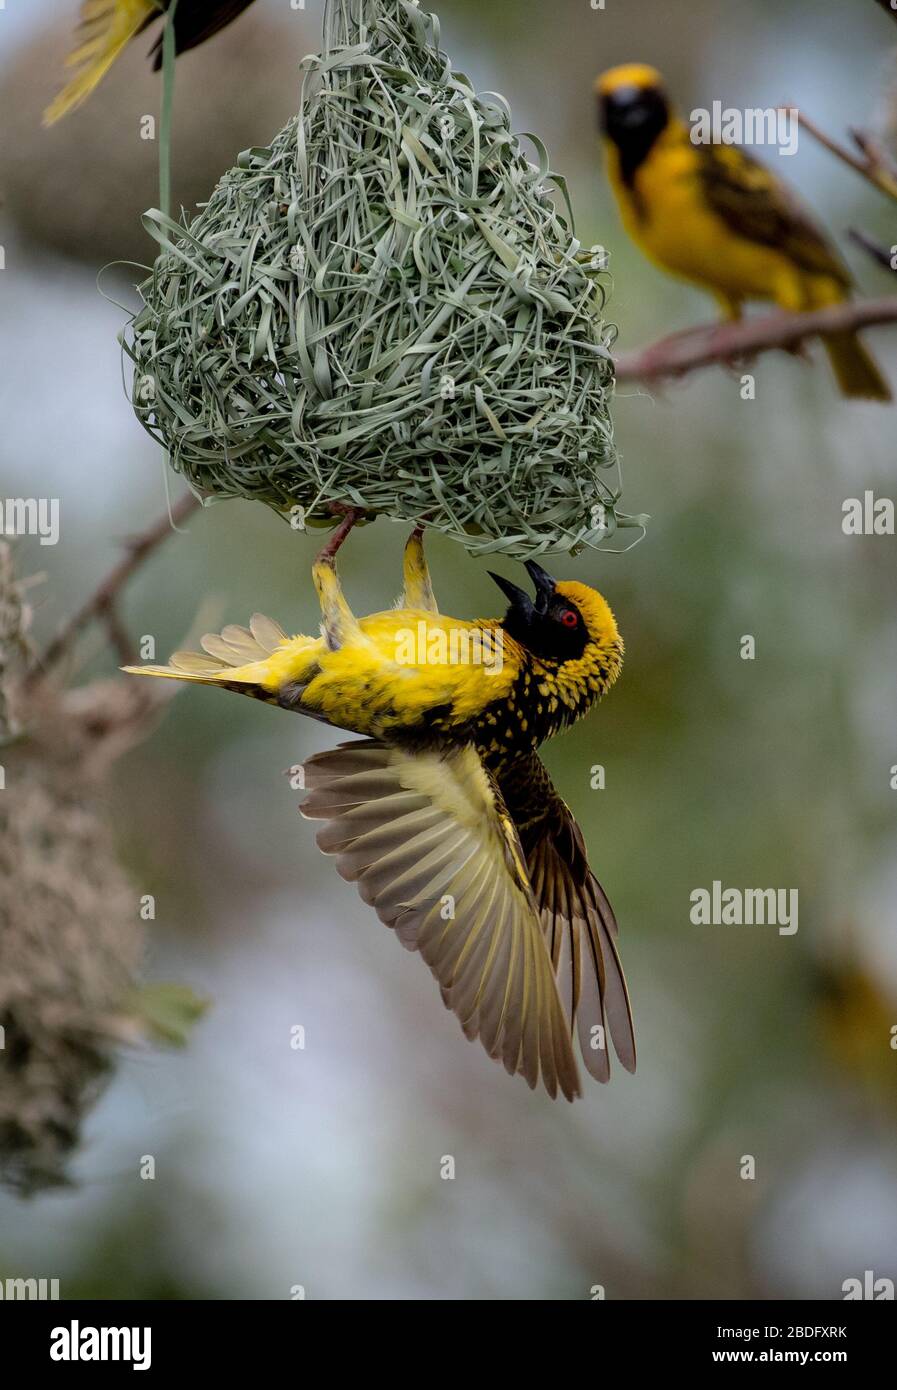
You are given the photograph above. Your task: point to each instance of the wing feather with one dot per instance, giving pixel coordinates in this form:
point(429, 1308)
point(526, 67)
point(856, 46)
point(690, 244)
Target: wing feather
point(755, 204)
point(198, 20)
point(426, 838)
point(105, 28)
point(578, 922)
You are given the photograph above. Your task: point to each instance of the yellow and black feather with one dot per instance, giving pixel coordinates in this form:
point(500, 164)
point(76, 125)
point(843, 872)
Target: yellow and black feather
point(106, 27)
point(718, 217)
point(443, 814)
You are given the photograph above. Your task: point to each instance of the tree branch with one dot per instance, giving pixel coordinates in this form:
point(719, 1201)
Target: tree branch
point(880, 254)
point(723, 343)
point(871, 163)
point(101, 606)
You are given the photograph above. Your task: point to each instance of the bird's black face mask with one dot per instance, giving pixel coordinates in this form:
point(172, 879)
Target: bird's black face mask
point(633, 117)
point(549, 626)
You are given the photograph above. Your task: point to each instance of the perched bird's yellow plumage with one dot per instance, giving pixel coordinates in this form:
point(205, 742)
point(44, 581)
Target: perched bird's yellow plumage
point(443, 813)
point(108, 26)
point(715, 216)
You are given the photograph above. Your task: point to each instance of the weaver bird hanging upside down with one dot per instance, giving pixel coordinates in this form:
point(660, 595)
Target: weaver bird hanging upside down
point(108, 26)
point(715, 216)
point(443, 813)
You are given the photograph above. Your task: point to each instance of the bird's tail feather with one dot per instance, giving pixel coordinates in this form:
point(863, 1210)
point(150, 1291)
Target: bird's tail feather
point(856, 371)
point(106, 27)
point(236, 656)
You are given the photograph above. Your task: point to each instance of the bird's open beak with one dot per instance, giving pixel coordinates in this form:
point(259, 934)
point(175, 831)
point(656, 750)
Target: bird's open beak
point(545, 585)
point(518, 598)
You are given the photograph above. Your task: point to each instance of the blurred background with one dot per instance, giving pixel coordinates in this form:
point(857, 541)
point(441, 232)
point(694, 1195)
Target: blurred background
point(320, 1167)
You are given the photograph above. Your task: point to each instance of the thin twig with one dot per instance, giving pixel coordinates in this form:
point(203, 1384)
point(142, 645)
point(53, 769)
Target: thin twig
point(101, 604)
point(118, 634)
point(882, 255)
point(871, 163)
point(726, 342)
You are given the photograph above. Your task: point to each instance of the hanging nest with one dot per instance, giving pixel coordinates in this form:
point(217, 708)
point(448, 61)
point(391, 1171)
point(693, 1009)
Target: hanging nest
point(386, 309)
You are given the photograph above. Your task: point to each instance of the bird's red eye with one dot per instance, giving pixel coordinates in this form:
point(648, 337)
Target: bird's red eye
point(569, 618)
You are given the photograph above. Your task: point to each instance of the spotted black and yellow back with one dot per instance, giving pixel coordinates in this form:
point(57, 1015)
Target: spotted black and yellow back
point(443, 812)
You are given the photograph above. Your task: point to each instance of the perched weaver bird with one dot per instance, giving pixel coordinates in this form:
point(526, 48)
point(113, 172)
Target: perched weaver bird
point(443, 813)
point(715, 216)
point(108, 26)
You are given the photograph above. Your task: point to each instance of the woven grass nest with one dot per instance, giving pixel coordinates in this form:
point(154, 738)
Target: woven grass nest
point(386, 309)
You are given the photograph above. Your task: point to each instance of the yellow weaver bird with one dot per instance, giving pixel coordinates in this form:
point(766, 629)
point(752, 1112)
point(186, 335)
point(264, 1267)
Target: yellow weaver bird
point(443, 813)
point(715, 216)
point(108, 26)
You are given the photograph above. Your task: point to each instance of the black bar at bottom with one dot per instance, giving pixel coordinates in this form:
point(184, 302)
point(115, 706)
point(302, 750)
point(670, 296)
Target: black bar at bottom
point(65, 1338)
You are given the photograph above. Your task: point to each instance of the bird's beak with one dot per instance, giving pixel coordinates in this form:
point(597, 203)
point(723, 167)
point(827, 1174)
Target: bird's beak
point(518, 598)
point(545, 585)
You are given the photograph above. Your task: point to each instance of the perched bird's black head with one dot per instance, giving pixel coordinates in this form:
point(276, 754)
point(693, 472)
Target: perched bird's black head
point(551, 625)
point(633, 111)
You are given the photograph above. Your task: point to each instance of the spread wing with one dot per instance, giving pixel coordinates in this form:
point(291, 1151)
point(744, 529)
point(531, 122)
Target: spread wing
point(428, 841)
point(197, 20)
point(105, 28)
point(577, 920)
point(755, 204)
